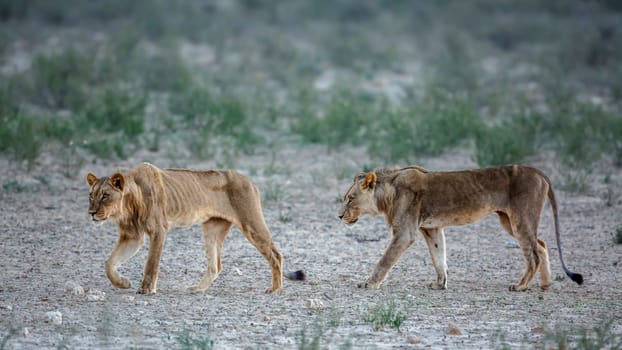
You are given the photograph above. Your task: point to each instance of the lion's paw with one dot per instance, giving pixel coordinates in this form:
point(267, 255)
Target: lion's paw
point(437, 286)
point(517, 288)
point(143, 290)
point(368, 285)
point(123, 283)
point(274, 290)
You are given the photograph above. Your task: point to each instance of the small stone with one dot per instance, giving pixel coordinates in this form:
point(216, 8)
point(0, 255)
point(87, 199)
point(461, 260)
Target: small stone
point(237, 271)
point(54, 317)
point(511, 244)
point(128, 298)
point(315, 304)
point(7, 307)
point(74, 288)
point(25, 332)
point(538, 330)
point(95, 295)
point(414, 340)
point(452, 329)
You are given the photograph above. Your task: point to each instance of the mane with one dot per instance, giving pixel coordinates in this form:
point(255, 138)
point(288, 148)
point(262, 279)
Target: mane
point(133, 207)
point(386, 191)
point(142, 206)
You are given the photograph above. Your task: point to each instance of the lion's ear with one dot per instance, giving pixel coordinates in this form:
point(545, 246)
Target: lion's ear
point(369, 182)
point(117, 181)
point(359, 177)
point(91, 179)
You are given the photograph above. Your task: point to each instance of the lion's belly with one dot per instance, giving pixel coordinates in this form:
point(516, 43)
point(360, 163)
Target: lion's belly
point(454, 219)
point(188, 220)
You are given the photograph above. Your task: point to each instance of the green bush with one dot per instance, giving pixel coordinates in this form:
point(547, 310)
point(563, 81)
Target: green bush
point(424, 129)
point(19, 138)
point(59, 81)
point(584, 131)
point(385, 315)
point(208, 116)
point(344, 120)
point(112, 121)
point(508, 143)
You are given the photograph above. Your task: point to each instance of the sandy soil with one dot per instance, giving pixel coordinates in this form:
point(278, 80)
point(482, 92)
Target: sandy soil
point(47, 243)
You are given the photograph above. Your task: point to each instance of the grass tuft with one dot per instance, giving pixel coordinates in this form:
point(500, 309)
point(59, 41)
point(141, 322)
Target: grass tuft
point(385, 315)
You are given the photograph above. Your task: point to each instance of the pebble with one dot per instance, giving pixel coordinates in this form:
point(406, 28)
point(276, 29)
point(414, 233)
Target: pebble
point(54, 317)
point(95, 295)
point(511, 244)
point(315, 304)
point(8, 307)
point(413, 340)
point(74, 288)
point(128, 298)
point(25, 332)
point(452, 329)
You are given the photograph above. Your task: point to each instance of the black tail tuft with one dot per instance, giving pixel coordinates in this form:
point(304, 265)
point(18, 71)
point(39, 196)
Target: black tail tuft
point(298, 275)
point(577, 277)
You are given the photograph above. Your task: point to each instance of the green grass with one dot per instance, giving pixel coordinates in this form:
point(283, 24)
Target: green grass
point(386, 315)
point(600, 336)
point(617, 237)
point(190, 341)
point(508, 143)
point(424, 128)
point(344, 119)
point(98, 94)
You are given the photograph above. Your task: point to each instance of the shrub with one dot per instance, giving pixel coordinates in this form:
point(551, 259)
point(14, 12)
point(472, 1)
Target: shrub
point(507, 143)
point(19, 138)
point(59, 81)
point(344, 120)
point(385, 315)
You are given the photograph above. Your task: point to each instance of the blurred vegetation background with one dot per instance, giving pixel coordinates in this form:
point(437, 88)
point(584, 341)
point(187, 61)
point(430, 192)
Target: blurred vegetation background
point(198, 79)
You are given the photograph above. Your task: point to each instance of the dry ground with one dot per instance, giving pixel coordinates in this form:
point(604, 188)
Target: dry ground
point(46, 241)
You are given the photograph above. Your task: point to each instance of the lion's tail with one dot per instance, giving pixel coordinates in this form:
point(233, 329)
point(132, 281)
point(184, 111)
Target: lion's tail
point(297, 275)
point(577, 277)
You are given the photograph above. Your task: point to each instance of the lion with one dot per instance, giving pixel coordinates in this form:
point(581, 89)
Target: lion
point(413, 199)
point(148, 200)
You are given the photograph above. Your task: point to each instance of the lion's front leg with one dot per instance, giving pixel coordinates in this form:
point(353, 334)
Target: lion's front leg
point(435, 238)
point(402, 239)
point(127, 245)
point(152, 266)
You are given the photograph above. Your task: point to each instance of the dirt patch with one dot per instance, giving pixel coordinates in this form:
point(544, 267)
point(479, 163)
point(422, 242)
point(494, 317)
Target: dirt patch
point(49, 249)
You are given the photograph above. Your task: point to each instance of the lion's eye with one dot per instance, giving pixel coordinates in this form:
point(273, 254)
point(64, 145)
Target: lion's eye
point(104, 196)
point(350, 199)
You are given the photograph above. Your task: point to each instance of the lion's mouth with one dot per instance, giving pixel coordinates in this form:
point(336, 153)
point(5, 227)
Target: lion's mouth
point(350, 221)
point(94, 218)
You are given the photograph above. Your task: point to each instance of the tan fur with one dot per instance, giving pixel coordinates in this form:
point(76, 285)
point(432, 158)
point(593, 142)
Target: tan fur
point(413, 199)
point(148, 200)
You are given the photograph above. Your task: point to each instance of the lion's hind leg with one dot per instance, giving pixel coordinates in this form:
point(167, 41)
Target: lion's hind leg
point(535, 259)
point(260, 237)
point(214, 232)
point(526, 235)
point(545, 266)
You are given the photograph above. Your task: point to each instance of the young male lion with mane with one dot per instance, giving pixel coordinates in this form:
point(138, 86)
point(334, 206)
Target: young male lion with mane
point(148, 200)
point(413, 199)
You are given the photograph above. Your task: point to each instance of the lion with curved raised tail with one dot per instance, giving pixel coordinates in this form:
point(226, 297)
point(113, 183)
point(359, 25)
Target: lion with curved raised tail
point(413, 199)
point(149, 201)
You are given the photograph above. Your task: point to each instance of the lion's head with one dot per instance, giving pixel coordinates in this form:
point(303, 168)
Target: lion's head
point(105, 196)
point(359, 199)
